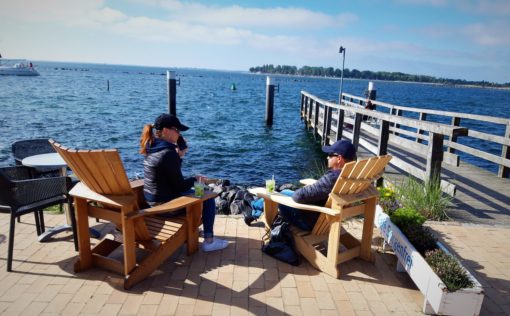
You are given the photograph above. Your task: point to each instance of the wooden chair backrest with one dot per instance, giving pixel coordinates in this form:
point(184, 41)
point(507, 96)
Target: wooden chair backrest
point(100, 170)
point(357, 176)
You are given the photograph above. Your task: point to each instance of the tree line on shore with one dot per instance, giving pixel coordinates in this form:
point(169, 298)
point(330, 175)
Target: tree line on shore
point(366, 74)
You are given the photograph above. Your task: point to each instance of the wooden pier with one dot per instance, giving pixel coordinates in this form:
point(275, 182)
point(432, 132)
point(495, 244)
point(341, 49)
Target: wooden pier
point(422, 148)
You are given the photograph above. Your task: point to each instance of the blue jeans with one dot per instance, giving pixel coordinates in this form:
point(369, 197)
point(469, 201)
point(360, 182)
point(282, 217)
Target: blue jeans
point(304, 220)
point(208, 214)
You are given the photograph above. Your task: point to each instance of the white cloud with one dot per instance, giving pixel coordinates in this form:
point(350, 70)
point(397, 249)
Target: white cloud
point(49, 10)
point(295, 18)
point(487, 7)
point(107, 15)
point(490, 34)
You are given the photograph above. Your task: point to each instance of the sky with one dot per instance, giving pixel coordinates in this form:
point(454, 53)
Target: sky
point(455, 39)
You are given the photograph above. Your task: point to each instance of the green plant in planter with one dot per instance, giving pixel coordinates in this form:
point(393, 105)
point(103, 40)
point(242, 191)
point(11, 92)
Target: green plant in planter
point(410, 222)
point(448, 269)
point(406, 216)
point(427, 198)
point(388, 200)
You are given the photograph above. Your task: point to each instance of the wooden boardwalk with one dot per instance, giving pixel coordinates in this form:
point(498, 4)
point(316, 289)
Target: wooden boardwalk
point(481, 197)
point(420, 148)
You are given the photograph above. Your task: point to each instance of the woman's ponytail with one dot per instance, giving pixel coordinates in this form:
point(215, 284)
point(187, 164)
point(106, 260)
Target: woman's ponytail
point(146, 139)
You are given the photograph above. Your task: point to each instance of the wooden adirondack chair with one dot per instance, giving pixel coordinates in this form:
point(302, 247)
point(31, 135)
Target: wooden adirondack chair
point(105, 192)
point(329, 244)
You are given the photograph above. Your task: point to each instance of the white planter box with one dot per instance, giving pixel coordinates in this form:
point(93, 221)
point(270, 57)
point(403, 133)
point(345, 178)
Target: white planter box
point(437, 298)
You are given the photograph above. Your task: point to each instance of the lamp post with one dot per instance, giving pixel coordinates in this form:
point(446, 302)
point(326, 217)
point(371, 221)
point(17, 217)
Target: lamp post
point(342, 51)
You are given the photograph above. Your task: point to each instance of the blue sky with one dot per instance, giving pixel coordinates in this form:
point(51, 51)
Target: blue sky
point(464, 39)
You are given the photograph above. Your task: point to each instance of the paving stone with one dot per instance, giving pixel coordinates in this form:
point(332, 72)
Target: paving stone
point(239, 280)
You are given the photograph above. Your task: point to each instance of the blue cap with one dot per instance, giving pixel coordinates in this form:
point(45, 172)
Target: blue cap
point(343, 148)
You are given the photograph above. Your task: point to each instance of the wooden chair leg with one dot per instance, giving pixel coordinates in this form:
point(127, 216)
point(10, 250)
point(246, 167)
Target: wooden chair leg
point(368, 230)
point(82, 225)
point(270, 212)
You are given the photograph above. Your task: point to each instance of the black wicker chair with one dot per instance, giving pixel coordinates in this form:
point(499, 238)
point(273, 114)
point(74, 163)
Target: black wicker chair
point(20, 194)
point(29, 147)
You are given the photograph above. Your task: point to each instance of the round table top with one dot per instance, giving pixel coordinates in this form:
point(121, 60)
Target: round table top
point(44, 160)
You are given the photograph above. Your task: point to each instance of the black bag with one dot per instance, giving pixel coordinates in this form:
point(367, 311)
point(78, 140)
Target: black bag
point(281, 242)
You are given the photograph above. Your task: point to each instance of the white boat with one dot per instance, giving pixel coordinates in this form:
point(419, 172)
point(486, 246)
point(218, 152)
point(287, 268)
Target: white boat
point(17, 67)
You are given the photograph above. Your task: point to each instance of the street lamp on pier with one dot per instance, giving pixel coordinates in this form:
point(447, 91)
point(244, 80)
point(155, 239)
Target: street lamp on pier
point(341, 51)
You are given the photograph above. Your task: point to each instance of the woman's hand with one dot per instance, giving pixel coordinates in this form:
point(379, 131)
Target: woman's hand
point(201, 179)
point(181, 152)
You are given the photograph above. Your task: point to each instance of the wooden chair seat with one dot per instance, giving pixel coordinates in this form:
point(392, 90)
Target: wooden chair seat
point(329, 244)
point(105, 192)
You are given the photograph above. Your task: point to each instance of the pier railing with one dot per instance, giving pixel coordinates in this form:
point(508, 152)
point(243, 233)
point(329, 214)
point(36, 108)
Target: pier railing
point(435, 142)
point(332, 121)
point(455, 119)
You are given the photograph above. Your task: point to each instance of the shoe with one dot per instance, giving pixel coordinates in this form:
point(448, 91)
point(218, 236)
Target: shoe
point(216, 244)
point(248, 219)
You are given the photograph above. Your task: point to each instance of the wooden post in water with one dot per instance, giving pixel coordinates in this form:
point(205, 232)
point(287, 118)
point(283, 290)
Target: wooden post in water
point(108, 85)
point(303, 111)
point(316, 118)
point(504, 172)
point(172, 89)
point(269, 101)
point(371, 92)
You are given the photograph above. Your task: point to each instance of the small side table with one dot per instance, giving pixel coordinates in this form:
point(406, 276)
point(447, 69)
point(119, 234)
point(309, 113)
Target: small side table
point(53, 160)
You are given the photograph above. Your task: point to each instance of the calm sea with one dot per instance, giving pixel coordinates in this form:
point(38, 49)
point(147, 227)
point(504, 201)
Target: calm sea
point(70, 103)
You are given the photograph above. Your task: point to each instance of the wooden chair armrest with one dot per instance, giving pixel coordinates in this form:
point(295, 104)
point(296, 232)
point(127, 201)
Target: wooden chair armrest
point(80, 190)
point(287, 200)
point(173, 205)
point(307, 181)
point(136, 184)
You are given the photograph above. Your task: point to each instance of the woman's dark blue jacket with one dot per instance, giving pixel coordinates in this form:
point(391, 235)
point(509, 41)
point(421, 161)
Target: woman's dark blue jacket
point(163, 178)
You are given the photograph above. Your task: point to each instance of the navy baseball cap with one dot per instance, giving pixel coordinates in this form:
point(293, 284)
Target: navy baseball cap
point(169, 121)
point(343, 148)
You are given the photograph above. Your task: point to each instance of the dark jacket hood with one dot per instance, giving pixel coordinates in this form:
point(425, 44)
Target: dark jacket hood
point(159, 145)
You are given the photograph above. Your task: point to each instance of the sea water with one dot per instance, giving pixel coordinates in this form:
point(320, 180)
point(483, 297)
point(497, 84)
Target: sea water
point(227, 138)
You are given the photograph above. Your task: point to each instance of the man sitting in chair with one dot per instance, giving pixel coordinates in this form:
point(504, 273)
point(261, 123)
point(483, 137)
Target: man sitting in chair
point(340, 153)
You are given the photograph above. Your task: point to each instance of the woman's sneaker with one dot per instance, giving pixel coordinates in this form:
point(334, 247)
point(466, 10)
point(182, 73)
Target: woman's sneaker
point(216, 244)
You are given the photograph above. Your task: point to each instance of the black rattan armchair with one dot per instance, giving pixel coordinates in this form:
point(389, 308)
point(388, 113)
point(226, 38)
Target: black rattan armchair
point(30, 147)
point(20, 194)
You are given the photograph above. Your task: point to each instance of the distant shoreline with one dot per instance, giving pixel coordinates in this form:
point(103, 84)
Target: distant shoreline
point(467, 86)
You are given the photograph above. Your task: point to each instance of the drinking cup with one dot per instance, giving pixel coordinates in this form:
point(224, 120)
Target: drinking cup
point(270, 185)
point(199, 189)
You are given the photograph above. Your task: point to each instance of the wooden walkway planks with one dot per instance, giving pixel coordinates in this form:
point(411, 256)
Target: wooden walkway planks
point(481, 196)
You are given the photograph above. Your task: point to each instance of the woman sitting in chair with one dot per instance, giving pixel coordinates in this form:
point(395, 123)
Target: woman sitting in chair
point(317, 193)
point(163, 179)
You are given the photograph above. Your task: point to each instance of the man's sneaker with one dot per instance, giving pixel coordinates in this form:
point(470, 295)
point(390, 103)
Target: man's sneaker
point(216, 244)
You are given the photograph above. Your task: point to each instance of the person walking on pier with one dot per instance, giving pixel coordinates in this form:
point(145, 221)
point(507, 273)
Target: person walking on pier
point(340, 153)
point(163, 179)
